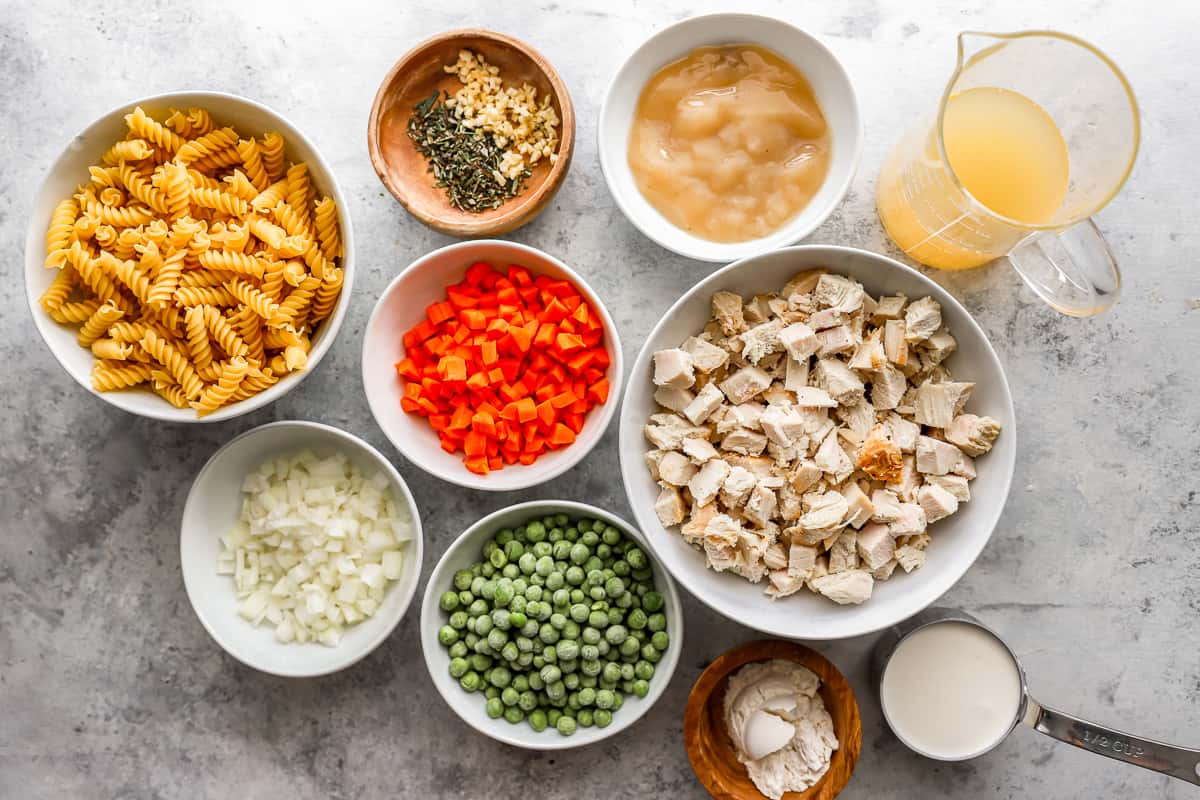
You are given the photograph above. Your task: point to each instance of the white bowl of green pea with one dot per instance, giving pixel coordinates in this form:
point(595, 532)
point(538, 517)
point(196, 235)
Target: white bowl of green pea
point(578, 667)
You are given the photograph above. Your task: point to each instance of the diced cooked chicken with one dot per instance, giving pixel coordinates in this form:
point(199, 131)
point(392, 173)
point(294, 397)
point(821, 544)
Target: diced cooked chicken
point(966, 467)
point(814, 397)
point(799, 341)
point(667, 431)
point(910, 521)
point(858, 417)
point(936, 502)
point(652, 457)
point(675, 468)
point(706, 401)
point(753, 549)
point(825, 516)
point(745, 415)
point(705, 484)
point(910, 557)
point(845, 588)
point(804, 475)
point(698, 518)
point(935, 457)
point(860, 508)
point(782, 425)
point(889, 308)
point(921, 319)
point(843, 554)
point(938, 347)
point(895, 342)
point(839, 380)
point(954, 484)
point(782, 584)
point(869, 355)
point(886, 505)
point(761, 505)
point(904, 432)
point(835, 340)
point(757, 309)
point(802, 559)
point(744, 441)
point(888, 387)
point(885, 571)
point(673, 398)
point(745, 384)
point(937, 403)
point(776, 556)
point(727, 310)
point(698, 450)
point(673, 367)
point(802, 282)
point(910, 480)
point(706, 356)
point(670, 507)
point(827, 318)
point(832, 458)
point(795, 374)
point(761, 340)
point(876, 546)
point(760, 466)
point(974, 435)
point(838, 292)
point(736, 487)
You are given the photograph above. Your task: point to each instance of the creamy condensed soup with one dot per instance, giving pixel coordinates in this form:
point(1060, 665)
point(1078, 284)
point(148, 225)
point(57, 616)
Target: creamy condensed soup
point(951, 690)
point(729, 143)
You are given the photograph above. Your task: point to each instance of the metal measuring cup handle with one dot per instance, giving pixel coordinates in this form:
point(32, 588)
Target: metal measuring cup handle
point(1169, 759)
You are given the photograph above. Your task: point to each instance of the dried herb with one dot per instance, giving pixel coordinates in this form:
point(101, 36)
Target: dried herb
point(464, 161)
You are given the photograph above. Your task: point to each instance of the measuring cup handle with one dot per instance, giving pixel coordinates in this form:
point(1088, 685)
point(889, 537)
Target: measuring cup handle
point(1072, 269)
point(1178, 762)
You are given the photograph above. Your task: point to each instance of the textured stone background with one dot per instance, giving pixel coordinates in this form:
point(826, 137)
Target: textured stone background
point(109, 687)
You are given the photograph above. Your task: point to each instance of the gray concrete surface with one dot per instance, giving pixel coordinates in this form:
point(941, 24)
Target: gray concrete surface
point(109, 687)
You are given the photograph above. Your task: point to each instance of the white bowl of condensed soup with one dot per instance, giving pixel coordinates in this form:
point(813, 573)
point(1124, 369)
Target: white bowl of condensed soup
point(728, 135)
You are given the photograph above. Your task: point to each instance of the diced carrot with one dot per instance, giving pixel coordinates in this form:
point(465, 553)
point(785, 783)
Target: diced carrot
point(495, 462)
point(439, 421)
point(598, 391)
point(547, 413)
point(452, 368)
point(568, 342)
point(488, 354)
point(573, 421)
point(554, 312)
point(527, 458)
point(526, 409)
point(477, 464)
point(509, 411)
point(563, 399)
point(407, 368)
point(519, 275)
point(437, 313)
point(460, 419)
point(473, 318)
point(474, 444)
point(497, 328)
point(522, 338)
point(561, 435)
point(572, 302)
point(448, 444)
point(409, 405)
point(424, 404)
point(479, 380)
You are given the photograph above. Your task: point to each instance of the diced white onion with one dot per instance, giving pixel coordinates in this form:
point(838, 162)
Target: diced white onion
point(316, 547)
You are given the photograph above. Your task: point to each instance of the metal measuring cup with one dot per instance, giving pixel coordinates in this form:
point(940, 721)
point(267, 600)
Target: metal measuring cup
point(1178, 762)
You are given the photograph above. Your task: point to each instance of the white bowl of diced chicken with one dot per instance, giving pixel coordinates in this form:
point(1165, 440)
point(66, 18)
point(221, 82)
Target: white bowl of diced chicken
point(300, 547)
point(818, 441)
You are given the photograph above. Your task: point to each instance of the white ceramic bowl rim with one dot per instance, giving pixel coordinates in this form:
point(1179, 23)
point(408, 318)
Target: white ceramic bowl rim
point(664, 233)
point(35, 245)
point(630, 712)
point(386, 629)
point(692, 576)
point(597, 417)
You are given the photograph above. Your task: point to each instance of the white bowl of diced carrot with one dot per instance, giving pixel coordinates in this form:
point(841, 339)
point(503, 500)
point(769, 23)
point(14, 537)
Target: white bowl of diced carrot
point(491, 365)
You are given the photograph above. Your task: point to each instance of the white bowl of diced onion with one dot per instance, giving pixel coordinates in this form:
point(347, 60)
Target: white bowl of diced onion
point(301, 548)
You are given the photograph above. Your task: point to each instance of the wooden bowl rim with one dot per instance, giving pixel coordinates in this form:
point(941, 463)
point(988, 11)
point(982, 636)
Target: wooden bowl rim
point(523, 207)
point(849, 741)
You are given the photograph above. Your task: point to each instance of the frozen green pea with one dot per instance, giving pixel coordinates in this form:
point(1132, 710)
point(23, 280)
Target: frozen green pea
point(579, 553)
point(535, 531)
point(579, 613)
point(550, 674)
point(615, 634)
point(603, 647)
point(636, 558)
point(554, 535)
point(504, 593)
point(598, 619)
point(497, 559)
point(494, 707)
point(603, 552)
point(595, 578)
point(621, 568)
point(556, 690)
point(486, 569)
point(651, 653)
point(568, 665)
point(517, 619)
point(524, 644)
point(509, 696)
point(541, 549)
point(477, 584)
point(535, 682)
point(571, 534)
point(513, 715)
point(544, 566)
point(524, 660)
point(519, 585)
point(573, 701)
point(636, 619)
point(527, 701)
point(550, 654)
point(596, 593)
point(585, 718)
point(478, 608)
point(533, 594)
point(590, 635)
point(558, 621)
point(660, 640)
point(527, 563)
point(511, 571)
point(574, 575)
point(555, 581)
point(561, 598)
point(501, 619)
point(463, 579)
point(465, 599)
point(642, 574)
point(612, 672)
point(504, 536)
point(614, 587)
point(587, 697)
point(593, 564)
point(627, 672)
point(488, 590)
point(587, 682)
point(490, 691)
point(514, 550)
point(447, 635)
point(571, 682)
point(470, 682)
point(562, 550)
point(656, 623)
point(471, 638)
point(561, 520)
point(509, 651)
point(483, 625)
point(566, 725)
point(458, 620)
point(500, 677)
point(629, 647)
point(589, 652)
point(604, 699)
point(537, 720)
point(589, 538)
point(643, 670)
point(602, 718)
point(518, 604)
point(641, 688)
point(577, 596)
point(591, 668)
point(610, 536)
point(568, 649)
point(530, 628)
point(618, 701)
point(624, 602)
point(459, 649)
point(459, 667)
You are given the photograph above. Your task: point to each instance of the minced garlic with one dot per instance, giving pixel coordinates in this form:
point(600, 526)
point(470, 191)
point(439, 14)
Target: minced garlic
point(521, 124)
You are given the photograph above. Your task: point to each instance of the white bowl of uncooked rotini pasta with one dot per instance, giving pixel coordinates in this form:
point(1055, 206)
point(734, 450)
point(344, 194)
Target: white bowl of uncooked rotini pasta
point(190, 257)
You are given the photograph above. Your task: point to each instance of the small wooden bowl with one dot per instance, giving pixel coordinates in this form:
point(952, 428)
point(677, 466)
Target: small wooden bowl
point(711, 751)
point(405, 172)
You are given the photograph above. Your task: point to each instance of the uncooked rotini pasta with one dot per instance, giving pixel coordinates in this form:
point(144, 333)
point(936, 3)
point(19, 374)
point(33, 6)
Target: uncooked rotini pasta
point(107, 377)
point(194, 261)
point(326, 222)
point(272, 155)
point(58, 235)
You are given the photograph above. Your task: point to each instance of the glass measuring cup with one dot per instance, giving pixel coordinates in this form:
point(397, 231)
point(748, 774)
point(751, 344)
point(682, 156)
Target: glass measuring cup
point(1031, 82)
point(1178, 762)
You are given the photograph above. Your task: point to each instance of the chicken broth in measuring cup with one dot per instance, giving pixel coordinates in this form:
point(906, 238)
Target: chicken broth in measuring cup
point(729, 142)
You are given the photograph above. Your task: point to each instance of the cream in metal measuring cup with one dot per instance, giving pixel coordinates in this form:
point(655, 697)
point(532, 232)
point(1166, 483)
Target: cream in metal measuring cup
point(1178, 762)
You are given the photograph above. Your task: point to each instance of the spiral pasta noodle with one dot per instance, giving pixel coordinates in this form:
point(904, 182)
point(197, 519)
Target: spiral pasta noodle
point(253, 298)
point(241, 186)
point(58, 235)
point(143, 190)
point(274, 194)
point(326, 222)
point(211, 142)
point(107, 377)
point(198, 346)
point(135, 279)
point(153, 131)
point(220, 201)
point(272, 155)
point(128, 150)
point(326, 297)
point(218, 394)
point(59, 290)
point(167, 280)
point(176, 363)
point(252, 159)
point(232, 261)
point(205, 296)
point(223, 333)
point(74, 312)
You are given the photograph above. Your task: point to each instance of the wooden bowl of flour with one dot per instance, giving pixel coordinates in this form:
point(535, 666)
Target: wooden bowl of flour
point(405, 172)
point(708, 744)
